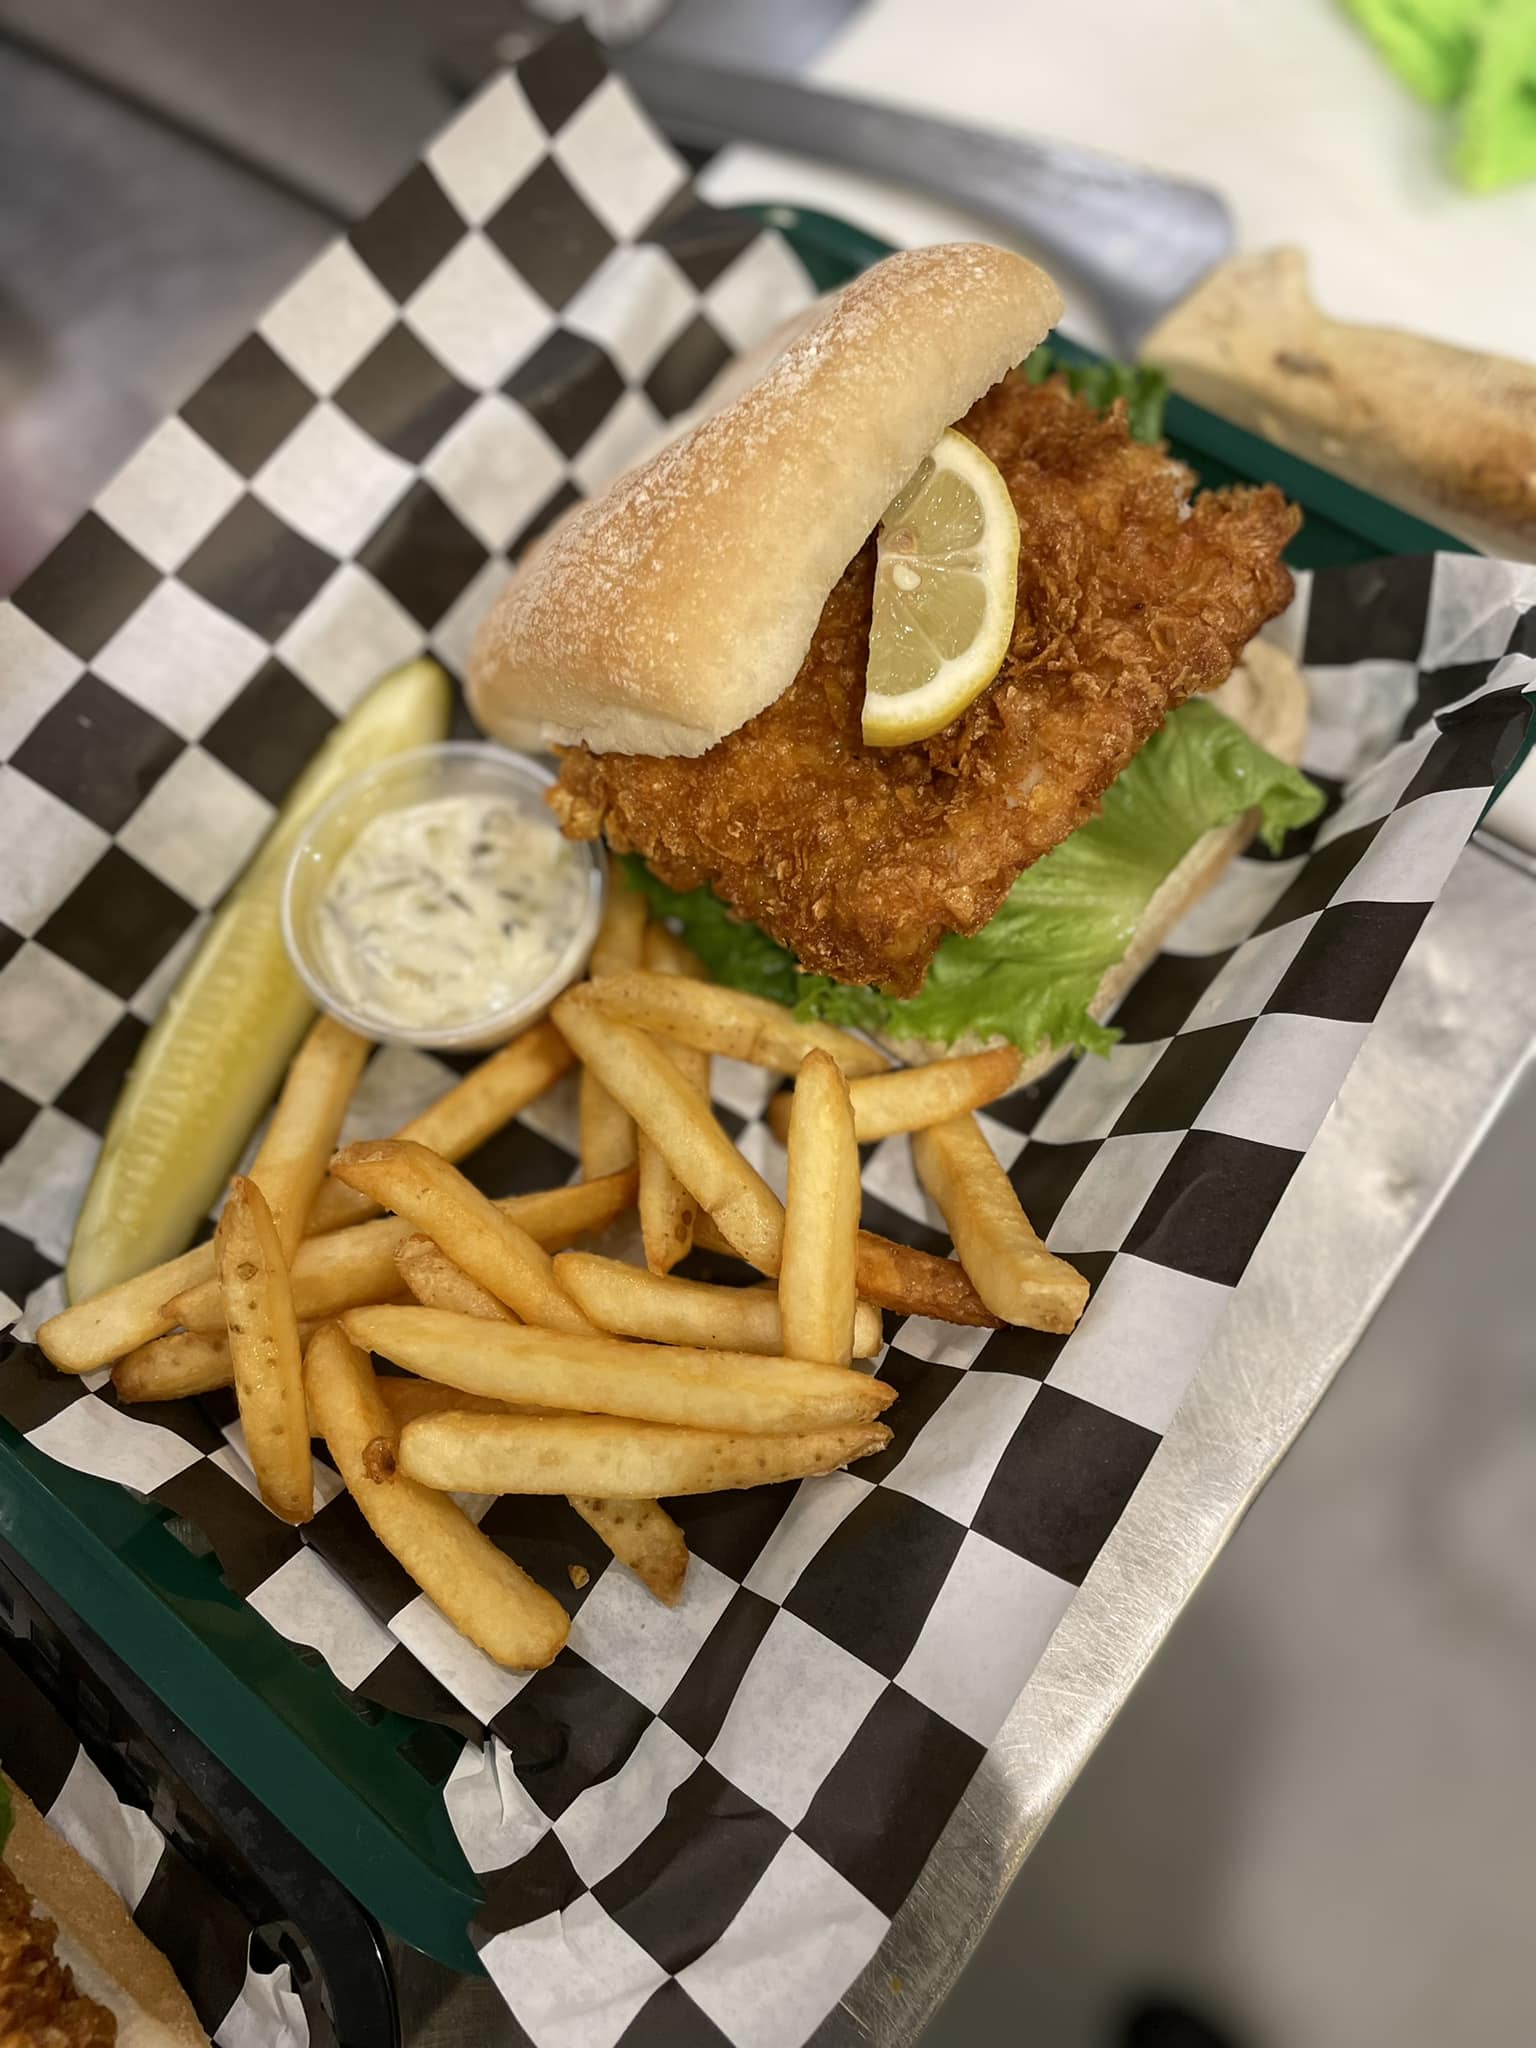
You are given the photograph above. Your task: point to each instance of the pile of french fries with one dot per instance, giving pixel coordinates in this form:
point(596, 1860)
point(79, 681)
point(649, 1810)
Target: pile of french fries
point(528, 1367)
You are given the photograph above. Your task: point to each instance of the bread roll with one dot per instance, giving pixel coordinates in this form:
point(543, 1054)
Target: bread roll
point(658, 617)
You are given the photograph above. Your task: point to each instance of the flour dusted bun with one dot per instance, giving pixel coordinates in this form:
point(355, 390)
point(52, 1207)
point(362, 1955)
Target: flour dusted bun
point(657, 618)
point(1266, 694)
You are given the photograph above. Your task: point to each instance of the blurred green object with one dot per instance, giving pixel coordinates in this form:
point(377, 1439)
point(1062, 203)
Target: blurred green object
point(1497, 144)
point(1430, 44)
point(1476, 55)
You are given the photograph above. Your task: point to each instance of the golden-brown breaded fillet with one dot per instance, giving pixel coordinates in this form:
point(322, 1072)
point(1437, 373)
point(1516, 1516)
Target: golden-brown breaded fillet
point(859, 859)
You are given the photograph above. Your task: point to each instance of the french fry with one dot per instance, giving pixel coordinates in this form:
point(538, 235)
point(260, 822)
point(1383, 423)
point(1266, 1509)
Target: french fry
point(476, 1108)
point(336, 1272)
point(665, 953)
point(432, 1279)
point(92, 1333)
point(818, 1275)
point(606, 1131)
point(168, 1368)
point(667, 1209)
point(578, 1454)
point(348, 1268)
point(664, 1309)
point(264, 1351)
point(407, 1398)
point(736, 1391)
point(910, 1098)
point(724, 1020)
point(186, 1362)
point(678, 1120)
point(894, 1276)
point(1011, 1269)
point(609, 1142)
point(306, 1122)
point(477, 1236)
point(620, 940)
point(641, 1534)
point(482, 1592)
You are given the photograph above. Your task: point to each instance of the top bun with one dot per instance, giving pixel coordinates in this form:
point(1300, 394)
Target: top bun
point(658, 617)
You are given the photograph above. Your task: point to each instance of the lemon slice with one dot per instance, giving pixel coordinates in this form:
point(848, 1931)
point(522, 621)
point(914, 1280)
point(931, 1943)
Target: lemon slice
point(946, 581)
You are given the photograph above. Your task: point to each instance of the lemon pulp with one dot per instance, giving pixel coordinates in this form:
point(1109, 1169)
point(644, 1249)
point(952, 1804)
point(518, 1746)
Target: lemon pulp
point(946, 583)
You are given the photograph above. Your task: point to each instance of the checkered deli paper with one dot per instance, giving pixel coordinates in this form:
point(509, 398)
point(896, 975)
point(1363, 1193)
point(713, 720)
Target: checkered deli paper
point(697, 1825)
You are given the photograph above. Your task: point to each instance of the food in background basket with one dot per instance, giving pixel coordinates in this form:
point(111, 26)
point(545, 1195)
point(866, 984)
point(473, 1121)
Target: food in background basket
point(74, 1970)
point(712, 645)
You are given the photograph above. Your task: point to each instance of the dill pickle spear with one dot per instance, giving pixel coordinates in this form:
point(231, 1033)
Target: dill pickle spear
point(215, 1055)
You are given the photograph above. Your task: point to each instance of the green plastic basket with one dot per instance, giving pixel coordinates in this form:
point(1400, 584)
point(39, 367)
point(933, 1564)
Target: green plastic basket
point(361, 1789)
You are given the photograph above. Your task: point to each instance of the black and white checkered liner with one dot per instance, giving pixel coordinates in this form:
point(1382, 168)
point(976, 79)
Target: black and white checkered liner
point(697, 1824)
point(241, 2001)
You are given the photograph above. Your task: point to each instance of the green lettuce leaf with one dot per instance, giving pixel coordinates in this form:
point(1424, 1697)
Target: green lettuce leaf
point(1031, 973)
point(1144, 390)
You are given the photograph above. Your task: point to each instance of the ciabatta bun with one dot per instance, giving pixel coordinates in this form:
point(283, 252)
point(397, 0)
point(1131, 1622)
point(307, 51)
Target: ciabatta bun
point(1266, 695)
point(662, 615)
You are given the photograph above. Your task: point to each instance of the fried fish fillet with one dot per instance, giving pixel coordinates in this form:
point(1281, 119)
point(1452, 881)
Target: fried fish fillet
point(860, 859)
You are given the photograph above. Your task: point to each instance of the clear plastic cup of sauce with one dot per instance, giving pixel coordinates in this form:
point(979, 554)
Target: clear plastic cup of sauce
point(433, 901)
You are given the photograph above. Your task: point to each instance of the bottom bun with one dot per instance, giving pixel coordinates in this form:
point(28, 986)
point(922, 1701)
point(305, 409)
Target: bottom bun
point(109, 1959)
point(1266, 695)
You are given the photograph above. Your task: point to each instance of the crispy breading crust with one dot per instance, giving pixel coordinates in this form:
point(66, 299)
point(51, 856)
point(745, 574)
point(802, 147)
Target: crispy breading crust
point(860, 859)
point(39, 2005)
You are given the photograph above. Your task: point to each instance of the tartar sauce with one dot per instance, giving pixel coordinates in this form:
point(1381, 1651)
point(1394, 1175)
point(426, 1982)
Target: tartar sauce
point(449, 911)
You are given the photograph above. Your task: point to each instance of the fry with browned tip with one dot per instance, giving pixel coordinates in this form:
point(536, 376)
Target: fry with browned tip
point(579, 1454)
point(477, 1236)
point(264, 1352)
point(641, 1534)
point(474, 1109)
point(1009, 1266)
point(482, 1592)
point(679, 1121)
point(894, 1276)
point(818, 1275)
